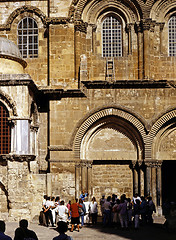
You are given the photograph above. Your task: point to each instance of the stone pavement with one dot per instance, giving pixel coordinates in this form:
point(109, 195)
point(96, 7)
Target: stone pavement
point(155, 232)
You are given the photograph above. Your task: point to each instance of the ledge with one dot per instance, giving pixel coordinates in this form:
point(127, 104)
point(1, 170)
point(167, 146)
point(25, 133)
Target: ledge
point(126, 84)
point(17, 157)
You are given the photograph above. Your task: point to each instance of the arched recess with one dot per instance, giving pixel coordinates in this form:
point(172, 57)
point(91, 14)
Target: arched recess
point(9, 103)
point(162, 9)
point(28, 9)
point(161, 140)
point(80, 8)
point(111, 122)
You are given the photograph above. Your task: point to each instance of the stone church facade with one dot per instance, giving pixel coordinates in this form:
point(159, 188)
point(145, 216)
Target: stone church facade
point(87, 101)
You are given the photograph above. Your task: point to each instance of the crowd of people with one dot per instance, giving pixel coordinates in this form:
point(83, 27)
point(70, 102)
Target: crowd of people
point(115, 211)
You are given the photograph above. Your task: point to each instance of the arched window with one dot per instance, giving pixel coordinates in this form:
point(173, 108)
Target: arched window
point(112, 37)
point(172, 36)
point(28, 38)
point(5, 136)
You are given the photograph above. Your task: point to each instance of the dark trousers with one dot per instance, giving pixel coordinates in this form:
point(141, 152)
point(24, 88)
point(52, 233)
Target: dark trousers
point(94, 218)
point(48, 216)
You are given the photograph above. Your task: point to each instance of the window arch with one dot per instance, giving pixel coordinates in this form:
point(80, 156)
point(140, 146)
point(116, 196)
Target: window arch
point(112, 37)
point(28, 37)
point(172, 36)
point(5, 131)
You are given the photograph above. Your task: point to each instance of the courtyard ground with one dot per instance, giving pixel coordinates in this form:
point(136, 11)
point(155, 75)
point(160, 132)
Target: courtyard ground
point(154, 232)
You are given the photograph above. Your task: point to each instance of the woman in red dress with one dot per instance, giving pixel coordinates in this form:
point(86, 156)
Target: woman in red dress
point(74, 214)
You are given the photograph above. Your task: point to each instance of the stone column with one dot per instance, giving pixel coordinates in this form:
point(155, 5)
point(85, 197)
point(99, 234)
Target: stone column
point(148, 179)
point(159, 188)
point(77, 180)
point(148, 25)
point(20, 142)
point(138, 29)
point(141, 180)
point(161, 38)
point(128, 30)
point(135, 178)
point(89, 179)
point(84, 177)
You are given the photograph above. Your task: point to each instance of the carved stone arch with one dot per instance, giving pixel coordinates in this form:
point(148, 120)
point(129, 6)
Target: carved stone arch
point(93, 12)
point(9, 103)
point(162, 10)
point(77, 7)
point(21, 10)
point(160, 128)
point(107, 112)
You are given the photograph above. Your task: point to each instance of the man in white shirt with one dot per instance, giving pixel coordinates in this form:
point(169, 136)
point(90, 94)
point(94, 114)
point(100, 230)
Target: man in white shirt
point(63, 212)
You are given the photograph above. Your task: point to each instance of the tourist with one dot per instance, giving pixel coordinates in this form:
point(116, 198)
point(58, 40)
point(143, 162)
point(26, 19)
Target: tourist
point(83, 195)
point(62, 229)
point(93, 210)
point(123, 212)
point(137, 211)
point(87, 214)
point(136, 196)
point(150, 209)
point(22, 232)
point(47, 211)
point(102, 201)
point(115, 212)
point(143, 207)
point(74, 214)
point(82, 211)
point(62, 212)
point(2, 231)
point(107, 211)
point(53, 209)
point(129, 211)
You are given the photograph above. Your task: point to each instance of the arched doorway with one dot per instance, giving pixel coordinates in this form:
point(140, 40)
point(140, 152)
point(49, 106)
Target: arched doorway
point(110, 143)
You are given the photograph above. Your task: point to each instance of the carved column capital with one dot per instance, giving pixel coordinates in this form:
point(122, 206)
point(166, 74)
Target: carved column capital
point(154, 164)
point(148, 24)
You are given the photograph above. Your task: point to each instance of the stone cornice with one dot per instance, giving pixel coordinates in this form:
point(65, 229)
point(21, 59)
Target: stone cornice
point(17, 157)
point(19, 60)
point(126, 84)
point(153, 163)
point(59, 148)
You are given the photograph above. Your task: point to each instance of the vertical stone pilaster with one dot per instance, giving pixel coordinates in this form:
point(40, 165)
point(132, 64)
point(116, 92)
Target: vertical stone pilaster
point(49, 184)
point(159, 188)
point(147, 24)
point(128, 30)
point(161, 37)
point(141, 179)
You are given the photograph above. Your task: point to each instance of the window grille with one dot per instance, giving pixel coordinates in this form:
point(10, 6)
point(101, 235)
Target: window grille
point(172, 36)
point(28, 38)
point(112, 37)
point(5, 136)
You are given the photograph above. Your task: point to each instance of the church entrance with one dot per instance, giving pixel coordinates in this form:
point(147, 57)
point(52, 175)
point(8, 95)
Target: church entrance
point(169, 180)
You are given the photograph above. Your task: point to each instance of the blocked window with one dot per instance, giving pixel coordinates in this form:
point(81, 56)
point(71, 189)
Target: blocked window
point(5, 131)
point(172, 36)
point(111, 37)
point(28, 38)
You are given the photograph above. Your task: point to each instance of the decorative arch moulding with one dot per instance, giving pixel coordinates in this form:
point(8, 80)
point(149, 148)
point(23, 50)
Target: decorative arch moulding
point(111, 111)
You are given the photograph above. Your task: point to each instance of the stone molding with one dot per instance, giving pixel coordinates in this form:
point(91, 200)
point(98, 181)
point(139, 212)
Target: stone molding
point(17, 158)
point(5, 98)
point(19, 60)
point(120, 84)
point(111, 111)
point(153, 164)
point(59, 148)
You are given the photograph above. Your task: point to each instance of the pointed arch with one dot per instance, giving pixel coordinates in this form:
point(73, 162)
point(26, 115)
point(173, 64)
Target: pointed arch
point(23, 9)
point(102, 116)
point(162, 127)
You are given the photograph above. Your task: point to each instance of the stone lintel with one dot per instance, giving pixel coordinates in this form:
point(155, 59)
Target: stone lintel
point(126, 84)
point(57, 94)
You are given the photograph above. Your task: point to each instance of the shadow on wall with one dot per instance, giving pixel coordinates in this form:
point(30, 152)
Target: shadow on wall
point(6, 194)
